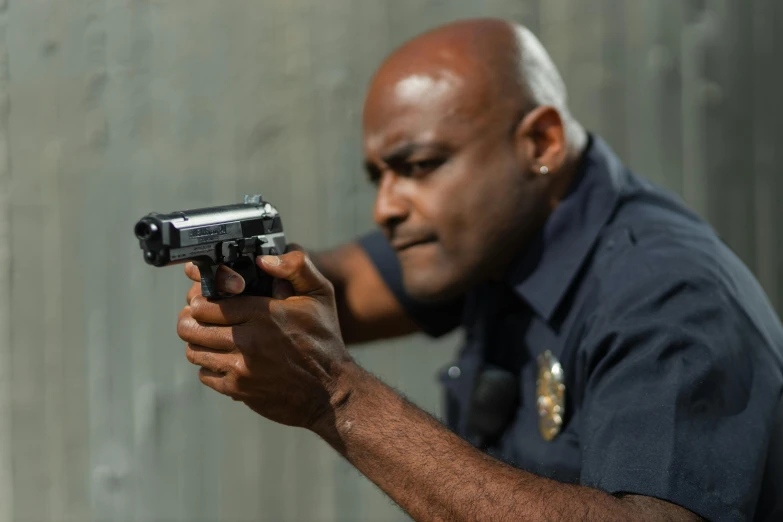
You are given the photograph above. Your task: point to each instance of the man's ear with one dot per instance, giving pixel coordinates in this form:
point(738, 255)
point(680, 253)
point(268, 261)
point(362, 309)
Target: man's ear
point(540, 141)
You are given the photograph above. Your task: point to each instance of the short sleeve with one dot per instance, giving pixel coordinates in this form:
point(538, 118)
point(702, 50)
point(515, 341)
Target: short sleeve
point(680, 396)
point(434, 319)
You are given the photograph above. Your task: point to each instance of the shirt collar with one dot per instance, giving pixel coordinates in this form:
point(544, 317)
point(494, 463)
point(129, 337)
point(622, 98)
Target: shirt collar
point(543, 274)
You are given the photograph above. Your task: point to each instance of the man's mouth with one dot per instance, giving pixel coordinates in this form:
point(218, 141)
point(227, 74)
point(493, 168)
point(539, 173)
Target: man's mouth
point(404, 244)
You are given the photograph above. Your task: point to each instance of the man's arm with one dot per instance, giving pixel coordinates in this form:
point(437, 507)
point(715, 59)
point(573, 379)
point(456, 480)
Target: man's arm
point(435, 475)
point(368, 310)
point(284, 359)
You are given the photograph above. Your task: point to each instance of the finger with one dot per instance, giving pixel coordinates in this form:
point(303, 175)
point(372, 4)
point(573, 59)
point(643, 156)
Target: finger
point(294, 247)
point(192, 272)
point(297, 268)
point(216, 381)
point(213, 360)
point(195, 290)
point(229, 312)
point(215, 337)
point(228, 281)
point(282, 289)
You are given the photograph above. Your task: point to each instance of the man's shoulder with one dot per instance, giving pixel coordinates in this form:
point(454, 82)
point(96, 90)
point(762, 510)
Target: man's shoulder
point(654, 243)
point(653, 233)
point(651, 236)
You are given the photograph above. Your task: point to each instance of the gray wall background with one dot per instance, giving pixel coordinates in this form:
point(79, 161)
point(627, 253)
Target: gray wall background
point(110, 109)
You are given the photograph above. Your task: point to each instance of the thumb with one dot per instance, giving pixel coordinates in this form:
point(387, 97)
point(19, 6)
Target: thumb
point(296, 267)
point(282, 289)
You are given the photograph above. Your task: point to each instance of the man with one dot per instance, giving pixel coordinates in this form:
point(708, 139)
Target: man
point(620, 362)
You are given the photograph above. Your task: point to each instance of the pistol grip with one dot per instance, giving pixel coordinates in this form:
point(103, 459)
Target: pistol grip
point(208, 284)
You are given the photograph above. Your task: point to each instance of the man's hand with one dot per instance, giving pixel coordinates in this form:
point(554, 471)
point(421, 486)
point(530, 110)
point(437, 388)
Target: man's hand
point(282, 356)
point(367, 309)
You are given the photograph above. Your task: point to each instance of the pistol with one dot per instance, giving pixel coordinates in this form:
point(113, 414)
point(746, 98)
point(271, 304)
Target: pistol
point(231, 235)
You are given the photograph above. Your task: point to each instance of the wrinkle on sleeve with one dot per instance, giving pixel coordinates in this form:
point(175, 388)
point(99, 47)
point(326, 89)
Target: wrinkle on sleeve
point(680, 396)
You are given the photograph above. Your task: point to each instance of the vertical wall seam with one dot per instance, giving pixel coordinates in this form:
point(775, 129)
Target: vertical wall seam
point(6, 471)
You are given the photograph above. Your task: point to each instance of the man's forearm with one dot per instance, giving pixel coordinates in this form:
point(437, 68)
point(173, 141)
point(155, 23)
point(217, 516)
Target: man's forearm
point(435, 475)
point(367, 309)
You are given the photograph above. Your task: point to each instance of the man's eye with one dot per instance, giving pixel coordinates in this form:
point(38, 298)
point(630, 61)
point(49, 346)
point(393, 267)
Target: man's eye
point(420, 168)
point(373, 175)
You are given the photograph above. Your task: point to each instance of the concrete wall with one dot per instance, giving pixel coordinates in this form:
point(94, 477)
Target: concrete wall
point(110, 109)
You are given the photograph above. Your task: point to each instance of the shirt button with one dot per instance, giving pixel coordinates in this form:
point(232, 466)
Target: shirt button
point(454, 372)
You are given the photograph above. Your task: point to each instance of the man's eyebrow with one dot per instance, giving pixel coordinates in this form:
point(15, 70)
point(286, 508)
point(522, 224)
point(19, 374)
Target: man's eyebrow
point(405, 150)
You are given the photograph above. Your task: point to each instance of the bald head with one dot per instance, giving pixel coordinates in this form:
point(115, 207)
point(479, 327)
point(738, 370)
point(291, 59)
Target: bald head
point(468, 137)
point(484, 64)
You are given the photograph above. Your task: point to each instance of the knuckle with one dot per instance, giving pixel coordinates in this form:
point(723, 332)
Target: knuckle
point(184, 313)
point(184, 326)
point(198, 306)
point(239, 369)
point(298, 260)
point(194, 291)
point(190, 354)
point(278, 316)
point(260, 309)
point(195, 306)
point(209, 360)
point(208, 380)
point(225, 386)
point(192, 272)
point(328, 286)
point(242, 339)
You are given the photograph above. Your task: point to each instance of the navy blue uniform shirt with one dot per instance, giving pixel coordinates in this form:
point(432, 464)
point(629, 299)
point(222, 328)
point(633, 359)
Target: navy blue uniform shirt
point(672, 355)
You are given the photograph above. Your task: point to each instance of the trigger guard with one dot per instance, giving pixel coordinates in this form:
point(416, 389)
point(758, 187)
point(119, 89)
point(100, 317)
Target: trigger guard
point(257, 282)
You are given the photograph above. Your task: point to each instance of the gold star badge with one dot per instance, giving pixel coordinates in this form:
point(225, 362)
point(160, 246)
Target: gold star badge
point(551, 395)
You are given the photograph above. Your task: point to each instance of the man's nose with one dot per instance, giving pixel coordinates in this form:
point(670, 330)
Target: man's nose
point(390, 208)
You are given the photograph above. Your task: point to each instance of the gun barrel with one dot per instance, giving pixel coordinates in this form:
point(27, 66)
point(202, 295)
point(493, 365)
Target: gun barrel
point(146, 229)
point(213, 232)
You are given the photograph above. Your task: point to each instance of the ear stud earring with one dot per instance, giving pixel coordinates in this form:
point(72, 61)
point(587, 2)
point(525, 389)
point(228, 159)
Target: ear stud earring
point(544, 170)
